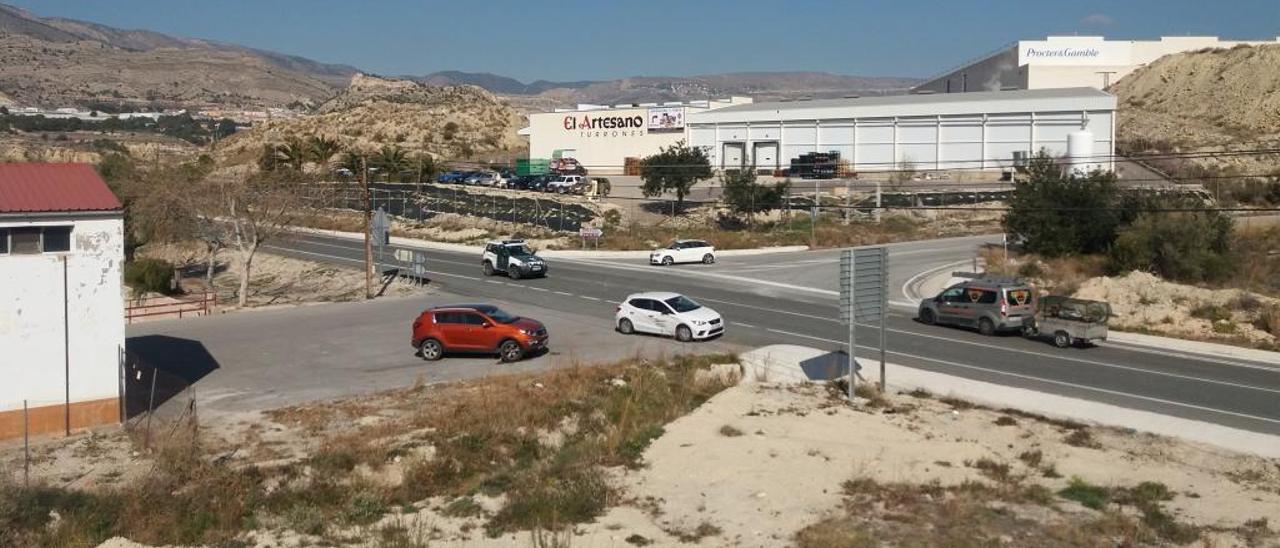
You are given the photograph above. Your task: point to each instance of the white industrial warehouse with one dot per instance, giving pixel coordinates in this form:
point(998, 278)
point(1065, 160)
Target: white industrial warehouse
point(971, 131)
point(1067, 61)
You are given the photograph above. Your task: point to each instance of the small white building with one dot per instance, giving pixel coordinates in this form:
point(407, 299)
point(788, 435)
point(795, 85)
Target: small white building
point(1066, 61)
point(972, 131)
point(62, 328)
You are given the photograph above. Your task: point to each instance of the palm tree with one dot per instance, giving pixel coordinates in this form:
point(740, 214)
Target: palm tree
point(390, 160)
point(424, 167)
point(321, 149)
point(352, 161)
point(292, 153)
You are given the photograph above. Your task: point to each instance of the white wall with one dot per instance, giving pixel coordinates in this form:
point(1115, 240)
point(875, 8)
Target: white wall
point(602, 151)
point(954, 141)
point(31, 317)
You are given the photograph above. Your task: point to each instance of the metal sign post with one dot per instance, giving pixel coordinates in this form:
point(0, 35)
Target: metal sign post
point(864, 297)
point(381, 233)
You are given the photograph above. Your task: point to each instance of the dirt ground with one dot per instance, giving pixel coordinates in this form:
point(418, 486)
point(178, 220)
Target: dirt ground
point(1144, 302)
point(761, 464)
point(275, 280)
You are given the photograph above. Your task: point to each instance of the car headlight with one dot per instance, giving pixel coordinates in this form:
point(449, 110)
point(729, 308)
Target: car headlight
point(699, 322)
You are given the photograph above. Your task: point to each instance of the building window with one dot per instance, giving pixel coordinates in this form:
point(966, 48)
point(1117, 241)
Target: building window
point(24, 240)
point(56, 239)
point(32, 240)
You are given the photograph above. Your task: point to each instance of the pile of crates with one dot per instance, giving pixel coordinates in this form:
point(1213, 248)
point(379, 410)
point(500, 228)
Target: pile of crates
point(815, 165)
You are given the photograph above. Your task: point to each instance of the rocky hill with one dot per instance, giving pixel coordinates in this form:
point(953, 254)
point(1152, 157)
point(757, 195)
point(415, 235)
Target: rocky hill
point(57, 62)
point(761, 85)
point(447, 122)
point(1222, 99)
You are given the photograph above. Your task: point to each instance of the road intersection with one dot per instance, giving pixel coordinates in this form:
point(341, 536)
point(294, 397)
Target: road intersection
point(766, 298)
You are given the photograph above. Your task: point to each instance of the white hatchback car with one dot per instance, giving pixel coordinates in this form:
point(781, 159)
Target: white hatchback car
point(684, 251)
point(668, 314)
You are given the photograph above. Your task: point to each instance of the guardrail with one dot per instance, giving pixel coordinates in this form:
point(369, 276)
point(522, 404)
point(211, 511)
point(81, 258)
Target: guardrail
point(200, 306)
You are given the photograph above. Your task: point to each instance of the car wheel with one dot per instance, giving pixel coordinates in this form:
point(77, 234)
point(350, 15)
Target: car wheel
point(927, 317)
point(625, 327)
point(1061, 339)
point(986, 327)
point(667, 261)
point(488, 268)
point(431, 350)
point(510, 351)
point(684, 334)
point(708, 259)
point(513, 273)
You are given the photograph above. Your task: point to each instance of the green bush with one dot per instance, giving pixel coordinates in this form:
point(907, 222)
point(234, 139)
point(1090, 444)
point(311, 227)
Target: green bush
point(1211, 312)
point(149, 275)
point(1058, 213)
point(1180, 246)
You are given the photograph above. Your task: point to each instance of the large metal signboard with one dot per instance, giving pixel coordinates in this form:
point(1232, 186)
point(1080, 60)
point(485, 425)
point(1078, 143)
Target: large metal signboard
point(864, 298)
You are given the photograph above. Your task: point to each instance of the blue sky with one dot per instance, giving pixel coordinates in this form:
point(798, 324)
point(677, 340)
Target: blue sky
point(584, 40)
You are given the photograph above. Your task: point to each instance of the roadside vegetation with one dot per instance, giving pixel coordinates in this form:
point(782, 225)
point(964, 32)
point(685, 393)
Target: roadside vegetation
point(519, 452)
point(1082, 236)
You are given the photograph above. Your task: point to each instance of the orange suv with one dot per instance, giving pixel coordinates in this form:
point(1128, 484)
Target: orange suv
point(476, 328)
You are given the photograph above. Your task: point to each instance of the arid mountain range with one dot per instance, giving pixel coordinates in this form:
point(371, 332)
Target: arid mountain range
point(56, 62)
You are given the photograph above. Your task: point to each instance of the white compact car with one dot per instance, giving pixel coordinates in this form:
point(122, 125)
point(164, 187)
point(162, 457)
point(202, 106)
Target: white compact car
point(668, 314)
point(684, 251)
point(564, 183)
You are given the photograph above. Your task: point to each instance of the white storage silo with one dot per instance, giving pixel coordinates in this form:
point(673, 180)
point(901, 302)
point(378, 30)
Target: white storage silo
point(1080, 153)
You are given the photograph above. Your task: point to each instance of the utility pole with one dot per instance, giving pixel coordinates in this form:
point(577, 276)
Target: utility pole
point(368, 228)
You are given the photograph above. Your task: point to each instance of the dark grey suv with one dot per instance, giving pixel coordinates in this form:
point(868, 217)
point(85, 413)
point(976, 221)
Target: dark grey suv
point(989, 304)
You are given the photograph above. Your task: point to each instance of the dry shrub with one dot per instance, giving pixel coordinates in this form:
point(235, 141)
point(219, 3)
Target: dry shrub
point(1269, 320)
point(901, 514)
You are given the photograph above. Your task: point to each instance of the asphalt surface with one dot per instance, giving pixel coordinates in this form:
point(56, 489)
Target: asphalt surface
point(766, 299)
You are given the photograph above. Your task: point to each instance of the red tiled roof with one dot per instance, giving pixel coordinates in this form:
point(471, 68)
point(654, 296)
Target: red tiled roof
point(48, 188)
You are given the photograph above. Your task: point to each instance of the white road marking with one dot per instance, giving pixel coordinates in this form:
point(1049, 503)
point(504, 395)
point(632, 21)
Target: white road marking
point(743, 324)
point(589, 298)
point(906, 286)
point(563, 293)
point(1050, 381)
point(358, 261)
point(542, 289)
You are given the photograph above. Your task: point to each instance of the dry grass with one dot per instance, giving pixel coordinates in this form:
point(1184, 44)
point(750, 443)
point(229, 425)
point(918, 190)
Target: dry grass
point(541, 440)
point(977, 514)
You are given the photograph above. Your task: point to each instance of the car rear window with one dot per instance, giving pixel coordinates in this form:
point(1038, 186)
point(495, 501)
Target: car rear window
point(1019, 296)
point(642, 304)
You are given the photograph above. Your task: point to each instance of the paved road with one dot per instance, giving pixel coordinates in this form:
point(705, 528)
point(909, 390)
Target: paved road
point(786, 302)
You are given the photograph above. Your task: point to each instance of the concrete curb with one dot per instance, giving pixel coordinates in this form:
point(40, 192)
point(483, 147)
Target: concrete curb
point(786, 364)
point(1208, 349)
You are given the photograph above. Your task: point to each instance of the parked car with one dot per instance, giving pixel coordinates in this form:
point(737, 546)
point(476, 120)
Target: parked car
point(484, 178)
point(684, 251)
point(521, 182)
point(451, 177)
point(668, 314)
point(471, 177)
point(563, 184)
point(513, 258)
point(476, 328)
point(990, 304)
point(540, 182)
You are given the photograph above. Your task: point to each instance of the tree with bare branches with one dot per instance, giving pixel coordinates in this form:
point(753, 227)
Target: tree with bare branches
point(257, 209)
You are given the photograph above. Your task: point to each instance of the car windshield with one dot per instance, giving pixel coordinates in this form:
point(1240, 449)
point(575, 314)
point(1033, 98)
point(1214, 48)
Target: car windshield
point(499, 315)
point(680, 303)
